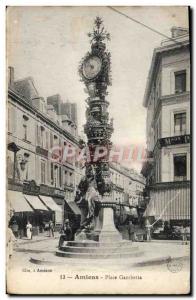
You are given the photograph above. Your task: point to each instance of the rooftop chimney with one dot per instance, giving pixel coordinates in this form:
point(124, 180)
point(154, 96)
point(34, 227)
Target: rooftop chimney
point(10, 77)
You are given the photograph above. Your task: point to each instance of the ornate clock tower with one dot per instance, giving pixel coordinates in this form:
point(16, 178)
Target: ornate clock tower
point(94, 71)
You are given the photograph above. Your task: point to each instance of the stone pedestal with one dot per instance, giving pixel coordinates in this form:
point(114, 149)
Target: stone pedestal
point(109, 233)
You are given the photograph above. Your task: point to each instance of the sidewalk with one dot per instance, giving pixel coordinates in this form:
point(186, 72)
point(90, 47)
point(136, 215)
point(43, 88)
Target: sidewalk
point(177, 242)
point(37, 238)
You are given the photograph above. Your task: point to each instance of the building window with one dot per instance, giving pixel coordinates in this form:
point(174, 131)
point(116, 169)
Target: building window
point(52, 173)
point(42, 131)
point(180, 81)
point(65, 177)
point(43, 172)
point(180, 167)
point(38, 135)
point(60, 177)
point(25, 127)
point(71, 179)
point(47, 146)
point(55, 140)
point(25, 132)
point(55, 175)
point(180, 123)
point(51, 140)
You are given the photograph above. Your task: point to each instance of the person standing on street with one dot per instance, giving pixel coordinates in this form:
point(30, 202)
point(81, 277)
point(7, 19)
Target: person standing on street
point(15, 228)
point(148, 232)
point(66, 233)
point(182, 234)
point(11, 239)
point(29, 231)
point(51, 228)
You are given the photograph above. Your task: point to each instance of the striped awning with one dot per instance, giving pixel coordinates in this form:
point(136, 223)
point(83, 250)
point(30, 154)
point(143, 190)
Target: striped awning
point(35, 202)
point(50, 203)
point(17, 202)
point(171, 204)
point(74, 207)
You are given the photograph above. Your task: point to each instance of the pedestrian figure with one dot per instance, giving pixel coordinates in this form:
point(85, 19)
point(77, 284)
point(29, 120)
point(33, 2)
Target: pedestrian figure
point(131, 231)
point(51, 228)
point(66, 233)
point(148, 232)
point(182, 233)
point(15, 228)
point(29, 231)
point(186, 231)
point(20, 229)
point(10, 240)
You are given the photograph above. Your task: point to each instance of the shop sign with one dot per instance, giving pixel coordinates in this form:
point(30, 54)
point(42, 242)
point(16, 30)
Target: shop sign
point(31, 188)
point(59, 193)
point(51, 191)
point(174, 140)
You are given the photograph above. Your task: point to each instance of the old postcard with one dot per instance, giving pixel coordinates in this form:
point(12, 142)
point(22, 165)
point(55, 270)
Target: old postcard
point(98, 150)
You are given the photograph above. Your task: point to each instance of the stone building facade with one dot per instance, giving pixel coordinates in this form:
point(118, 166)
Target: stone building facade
point(167, 99)
point(37, 131)
point(128, 185)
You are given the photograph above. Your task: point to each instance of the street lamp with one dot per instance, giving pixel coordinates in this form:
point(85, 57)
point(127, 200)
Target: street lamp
point(14, 148)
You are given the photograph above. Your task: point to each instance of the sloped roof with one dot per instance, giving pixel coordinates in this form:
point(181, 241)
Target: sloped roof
point(26, 88)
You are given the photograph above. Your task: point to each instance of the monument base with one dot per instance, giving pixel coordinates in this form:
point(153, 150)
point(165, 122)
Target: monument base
point(109, 233)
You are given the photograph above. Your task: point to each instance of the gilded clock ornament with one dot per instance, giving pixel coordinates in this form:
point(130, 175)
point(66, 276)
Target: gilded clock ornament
point(92, 67)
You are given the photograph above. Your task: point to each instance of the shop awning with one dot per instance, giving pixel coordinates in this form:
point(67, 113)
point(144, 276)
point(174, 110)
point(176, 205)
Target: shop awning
point(133, 212)
point(171, 204)
point(17, 202)
point(76, 210)
point(50, 203)
point(150, 210)
point(35, 202)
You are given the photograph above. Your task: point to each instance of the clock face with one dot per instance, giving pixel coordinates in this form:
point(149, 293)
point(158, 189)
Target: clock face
point(92, 67)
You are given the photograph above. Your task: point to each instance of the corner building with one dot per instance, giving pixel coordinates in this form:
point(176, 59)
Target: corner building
point(167, 99)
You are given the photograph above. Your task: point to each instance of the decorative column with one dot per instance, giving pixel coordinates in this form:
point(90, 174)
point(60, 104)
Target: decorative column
point(95, 73)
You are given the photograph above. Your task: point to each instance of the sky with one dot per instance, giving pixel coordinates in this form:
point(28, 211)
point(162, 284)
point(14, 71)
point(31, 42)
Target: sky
point(48, 43)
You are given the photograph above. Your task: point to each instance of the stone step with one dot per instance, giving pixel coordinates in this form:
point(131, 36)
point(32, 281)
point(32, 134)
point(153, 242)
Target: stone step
point(97, 244)
point(98, 255)
point(118, 249)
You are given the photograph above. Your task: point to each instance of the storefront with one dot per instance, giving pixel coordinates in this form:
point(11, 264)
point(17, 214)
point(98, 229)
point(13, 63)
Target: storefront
point(26, 203)
point(73, 213)
point(41, 216)
point(56, 210)
point(169, 202)
point(20, 212)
